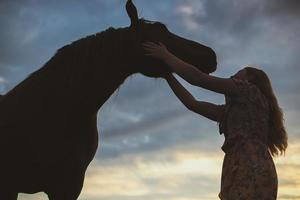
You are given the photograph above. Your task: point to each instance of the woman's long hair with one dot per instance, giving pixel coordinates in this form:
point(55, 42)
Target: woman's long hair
point(277, 136)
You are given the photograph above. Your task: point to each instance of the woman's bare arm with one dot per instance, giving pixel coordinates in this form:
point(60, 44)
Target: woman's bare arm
point(206, 109)
point(189, 72)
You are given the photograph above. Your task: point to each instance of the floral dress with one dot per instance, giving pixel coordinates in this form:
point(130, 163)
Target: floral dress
point(248, 170)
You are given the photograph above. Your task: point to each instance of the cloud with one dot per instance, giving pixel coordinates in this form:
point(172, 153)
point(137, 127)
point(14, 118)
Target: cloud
point(188, 12)
point(38, 196)
point(31, 31)
point(136, 120)
point(170, 173)
point(147, 124)
point(260, 33)
point(287, 196)
point(2, 80)
point(278, 7)
point(236, 24)
point(179, 171)
point(4, 84)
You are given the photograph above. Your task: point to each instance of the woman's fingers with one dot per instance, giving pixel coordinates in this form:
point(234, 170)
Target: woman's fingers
point(161, 44)
point(150, 54)
point(149, 44)
point(152, 50)
point(149, 49)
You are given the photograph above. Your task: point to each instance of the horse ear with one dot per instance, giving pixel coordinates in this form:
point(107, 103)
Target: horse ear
point(132, 13)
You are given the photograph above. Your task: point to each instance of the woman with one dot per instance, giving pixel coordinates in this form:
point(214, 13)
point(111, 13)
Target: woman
point(251, 121)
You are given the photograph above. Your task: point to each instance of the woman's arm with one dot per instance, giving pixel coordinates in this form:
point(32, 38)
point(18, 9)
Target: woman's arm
point(208, 110)
point(189, 72)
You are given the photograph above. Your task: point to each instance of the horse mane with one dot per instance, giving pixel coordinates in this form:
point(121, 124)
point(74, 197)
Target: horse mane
point(84, 45)
point(80, 42)
point(145, 21)
point(82, 50)
point(101, 42)
point(71, 61)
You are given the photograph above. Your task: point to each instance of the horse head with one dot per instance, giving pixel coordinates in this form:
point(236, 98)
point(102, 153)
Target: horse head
point(201, 56)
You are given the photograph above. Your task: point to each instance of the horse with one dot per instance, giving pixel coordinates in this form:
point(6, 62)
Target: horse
point(48, 132)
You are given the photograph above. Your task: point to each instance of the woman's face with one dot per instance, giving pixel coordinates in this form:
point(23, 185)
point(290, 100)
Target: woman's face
point(242, 75)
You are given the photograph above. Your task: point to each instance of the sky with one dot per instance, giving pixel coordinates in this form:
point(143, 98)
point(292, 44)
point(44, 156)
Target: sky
point(151, 146)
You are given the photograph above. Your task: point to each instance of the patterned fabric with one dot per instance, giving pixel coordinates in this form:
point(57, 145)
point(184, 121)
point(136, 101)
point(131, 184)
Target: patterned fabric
point(248, 169)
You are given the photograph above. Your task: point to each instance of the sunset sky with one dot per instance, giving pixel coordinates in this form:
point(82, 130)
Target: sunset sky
point(151, 146)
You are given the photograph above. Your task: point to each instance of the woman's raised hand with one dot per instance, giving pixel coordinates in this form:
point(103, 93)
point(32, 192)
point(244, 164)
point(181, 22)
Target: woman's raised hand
point(159, 50)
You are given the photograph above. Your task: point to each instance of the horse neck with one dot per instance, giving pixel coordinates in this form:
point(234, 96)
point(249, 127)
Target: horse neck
point(95, 78)
point(98, 91)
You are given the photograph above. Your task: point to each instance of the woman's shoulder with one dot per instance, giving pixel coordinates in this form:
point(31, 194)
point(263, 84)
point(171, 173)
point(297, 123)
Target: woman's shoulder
point(248, 91)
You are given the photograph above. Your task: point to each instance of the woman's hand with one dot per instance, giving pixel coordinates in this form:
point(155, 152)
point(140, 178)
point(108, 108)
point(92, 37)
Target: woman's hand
point(159, 51)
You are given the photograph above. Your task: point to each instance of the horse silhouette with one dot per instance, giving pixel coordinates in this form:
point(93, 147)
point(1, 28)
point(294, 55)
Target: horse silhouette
point(48, 121)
